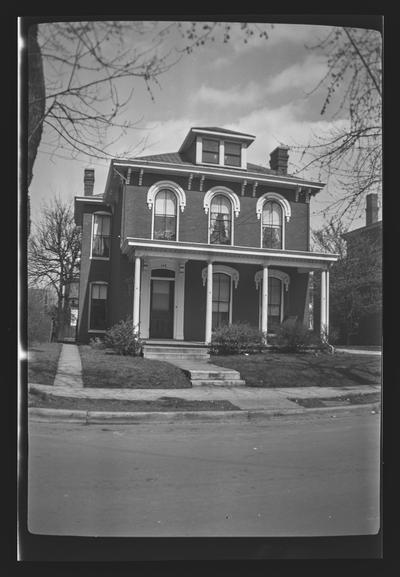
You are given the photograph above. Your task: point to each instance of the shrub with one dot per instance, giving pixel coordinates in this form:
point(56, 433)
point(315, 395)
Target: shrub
point(123, 339)
point(294, 337)
point(97, 344)
point(235, 339)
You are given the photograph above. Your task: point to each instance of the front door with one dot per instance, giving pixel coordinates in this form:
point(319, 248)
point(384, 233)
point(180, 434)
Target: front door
point(162, 309)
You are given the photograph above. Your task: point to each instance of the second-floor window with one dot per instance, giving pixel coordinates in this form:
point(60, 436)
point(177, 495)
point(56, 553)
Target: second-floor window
point(101, 235)
point(165, 218)
point(210, 151)
point(271, 225)
point(221, 220)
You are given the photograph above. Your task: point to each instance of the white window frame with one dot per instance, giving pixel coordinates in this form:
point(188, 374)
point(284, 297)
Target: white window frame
point(235, 207)
point(286, 213)
point(221, 155)
point(95, 282)
point(99, 213)
point(180, 201)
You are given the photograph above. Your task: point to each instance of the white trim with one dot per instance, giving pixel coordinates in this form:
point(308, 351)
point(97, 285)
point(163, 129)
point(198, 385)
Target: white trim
point(278, 198)
point(169, 184)
point(102, 213)
point(259, 176)
point(178, 267)
point(98, 200)
point(282, 276)
point(232, 272)
point(221, 190)
point(96, 282)
point(152, 207)
point(221, 251)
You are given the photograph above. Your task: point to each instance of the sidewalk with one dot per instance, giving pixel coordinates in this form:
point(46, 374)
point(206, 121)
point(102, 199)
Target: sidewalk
point(68, 384)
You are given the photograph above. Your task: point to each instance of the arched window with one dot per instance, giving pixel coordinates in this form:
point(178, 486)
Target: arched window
point(271, 222)
point(165, 215)
point(221, 220)
point(101, 226)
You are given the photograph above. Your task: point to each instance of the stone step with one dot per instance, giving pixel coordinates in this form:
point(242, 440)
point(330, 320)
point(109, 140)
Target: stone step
point(207, 375)
point(176, 357)
point(218, 383)
point(160, 349)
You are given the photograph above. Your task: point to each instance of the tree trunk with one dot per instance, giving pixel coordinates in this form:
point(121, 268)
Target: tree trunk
point(36, 104)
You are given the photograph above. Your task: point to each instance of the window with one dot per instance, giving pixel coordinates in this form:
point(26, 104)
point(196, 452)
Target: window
point(211, 151)
point(232, 154)
point(271, 223)
point(98, 307)
point(165, 216)
point(101, 235)
point(221, 299)
point(220, 220)
point(274, 303)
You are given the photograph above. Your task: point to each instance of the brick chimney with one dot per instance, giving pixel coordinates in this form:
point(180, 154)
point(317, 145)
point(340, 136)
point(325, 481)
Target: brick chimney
point(88, 181)
point(279, 159)
point(371, 208)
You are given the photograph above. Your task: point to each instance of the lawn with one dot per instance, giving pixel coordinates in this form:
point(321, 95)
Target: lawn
point(270, 370)
point(105, 369)
point(43, 363)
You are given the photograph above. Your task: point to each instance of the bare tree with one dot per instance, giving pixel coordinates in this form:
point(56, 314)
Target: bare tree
point(54, 253)
point(349, 153)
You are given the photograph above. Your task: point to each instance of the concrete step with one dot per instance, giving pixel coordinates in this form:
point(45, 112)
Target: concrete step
point(218, 383)
point(207, 375)
point(185, 349)
point(176, 357)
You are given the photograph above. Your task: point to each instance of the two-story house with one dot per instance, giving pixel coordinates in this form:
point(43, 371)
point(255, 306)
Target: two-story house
point(183, 242)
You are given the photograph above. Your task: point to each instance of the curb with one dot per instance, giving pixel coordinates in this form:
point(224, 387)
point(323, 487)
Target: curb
point(98, 417)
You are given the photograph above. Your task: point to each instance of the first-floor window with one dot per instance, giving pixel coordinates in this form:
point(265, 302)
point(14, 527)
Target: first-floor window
point(221, 299)
point(274, 303)
point(98, 307)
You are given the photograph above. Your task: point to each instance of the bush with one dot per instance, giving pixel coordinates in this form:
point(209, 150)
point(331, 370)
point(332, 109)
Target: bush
point(123, 339)
point(294, 337)
point(97, 344)
point(235, 339)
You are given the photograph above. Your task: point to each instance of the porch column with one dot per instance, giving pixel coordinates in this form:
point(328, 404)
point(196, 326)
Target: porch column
point(324, 303)
point(264, 301)
point(209, 302)
point(136, 295)
point(327, 304)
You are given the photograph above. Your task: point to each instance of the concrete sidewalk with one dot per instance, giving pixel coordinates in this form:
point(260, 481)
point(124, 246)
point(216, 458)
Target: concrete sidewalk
point(68, 384)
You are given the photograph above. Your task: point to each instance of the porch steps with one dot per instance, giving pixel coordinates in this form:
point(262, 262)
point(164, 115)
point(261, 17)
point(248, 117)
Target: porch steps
point(176, 352)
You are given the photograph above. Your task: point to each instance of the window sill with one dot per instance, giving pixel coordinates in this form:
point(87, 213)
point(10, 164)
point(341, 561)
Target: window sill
point(97, 331)
point(99, 258)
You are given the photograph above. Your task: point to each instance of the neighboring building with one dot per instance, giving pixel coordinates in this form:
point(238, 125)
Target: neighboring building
point(185, 241)
point(364, 249)
point(41, 301)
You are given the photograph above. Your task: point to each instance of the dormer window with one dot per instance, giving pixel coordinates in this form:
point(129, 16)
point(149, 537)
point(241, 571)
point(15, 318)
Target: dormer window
point(233, 152)
point(210, 151)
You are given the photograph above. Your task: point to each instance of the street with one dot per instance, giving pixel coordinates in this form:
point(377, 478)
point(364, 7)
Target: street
point(290, 476)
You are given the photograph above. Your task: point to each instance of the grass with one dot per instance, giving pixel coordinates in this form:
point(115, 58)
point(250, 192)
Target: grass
point(43, 362)
point(269, 370)
point(312, 402)
point(163, 404)
point(104, 369)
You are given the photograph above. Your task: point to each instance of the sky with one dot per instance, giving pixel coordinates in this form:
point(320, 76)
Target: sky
point(264, 87)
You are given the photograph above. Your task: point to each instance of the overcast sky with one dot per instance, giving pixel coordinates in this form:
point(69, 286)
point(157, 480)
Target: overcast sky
point(262, 88)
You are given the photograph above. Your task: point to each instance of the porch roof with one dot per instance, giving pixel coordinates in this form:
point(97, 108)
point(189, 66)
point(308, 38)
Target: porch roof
point(234, 254)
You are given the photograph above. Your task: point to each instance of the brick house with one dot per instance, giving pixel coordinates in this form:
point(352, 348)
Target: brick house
point(364, 253)
point(185, 241)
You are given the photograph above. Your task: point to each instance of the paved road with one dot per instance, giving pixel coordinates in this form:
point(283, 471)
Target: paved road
point(292, 476)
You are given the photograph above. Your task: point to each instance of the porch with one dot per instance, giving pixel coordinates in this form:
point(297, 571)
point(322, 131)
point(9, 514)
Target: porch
point(181, 293)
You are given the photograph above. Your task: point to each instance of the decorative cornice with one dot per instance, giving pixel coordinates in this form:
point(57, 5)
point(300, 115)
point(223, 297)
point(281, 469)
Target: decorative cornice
point(221, 190)
point(282, 276)
point(170, 185)
point(278, 198)
point(141, 176)
point(221, 268)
